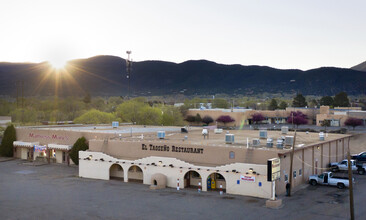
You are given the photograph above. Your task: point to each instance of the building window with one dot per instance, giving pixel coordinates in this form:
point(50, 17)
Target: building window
point(63, 156)
point(286, 177)
point(295, 174)
point(232, 155)
point(300, 172)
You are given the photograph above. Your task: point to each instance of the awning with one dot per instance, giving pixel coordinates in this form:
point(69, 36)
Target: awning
point(59, 147)
point(24, 144)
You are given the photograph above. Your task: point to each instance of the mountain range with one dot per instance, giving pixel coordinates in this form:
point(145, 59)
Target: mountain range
point(106, 76)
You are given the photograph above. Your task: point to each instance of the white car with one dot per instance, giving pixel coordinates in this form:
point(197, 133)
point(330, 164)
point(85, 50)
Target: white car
point(342, 166)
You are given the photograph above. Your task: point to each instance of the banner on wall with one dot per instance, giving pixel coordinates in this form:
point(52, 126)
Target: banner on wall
point(39, 148)
point(247, 178)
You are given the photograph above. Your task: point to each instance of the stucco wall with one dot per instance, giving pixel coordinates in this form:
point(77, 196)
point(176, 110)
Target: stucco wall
point(97, 169)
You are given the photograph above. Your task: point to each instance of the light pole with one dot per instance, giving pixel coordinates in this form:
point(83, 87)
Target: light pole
point(128, 69)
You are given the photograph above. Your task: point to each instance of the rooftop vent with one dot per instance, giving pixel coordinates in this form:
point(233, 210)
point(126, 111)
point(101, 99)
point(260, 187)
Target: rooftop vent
point(218, 130)
point(161, 134)
point(279, 143)
point(229, 138)
point(263, 134)
point(256, 142)
point(269, 142)
point(284, 129)
point(289, 140)
point(321, 136)
point(115, 124)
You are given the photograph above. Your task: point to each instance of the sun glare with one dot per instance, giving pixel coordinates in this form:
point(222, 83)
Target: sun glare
point(58, 63)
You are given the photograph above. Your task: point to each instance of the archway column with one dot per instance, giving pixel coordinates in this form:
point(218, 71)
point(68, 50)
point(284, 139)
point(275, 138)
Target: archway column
point(204, 182)
point(125, 175)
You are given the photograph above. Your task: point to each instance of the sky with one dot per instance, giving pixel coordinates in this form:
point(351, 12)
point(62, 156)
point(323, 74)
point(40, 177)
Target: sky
point(286, 34)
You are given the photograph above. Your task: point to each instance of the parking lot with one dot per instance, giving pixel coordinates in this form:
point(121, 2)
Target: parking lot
point(56, 192)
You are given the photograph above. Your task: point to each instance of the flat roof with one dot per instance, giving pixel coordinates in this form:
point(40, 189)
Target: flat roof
point(195, 137)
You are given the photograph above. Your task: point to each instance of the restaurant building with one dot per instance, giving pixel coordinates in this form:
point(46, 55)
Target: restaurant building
point(235, 165)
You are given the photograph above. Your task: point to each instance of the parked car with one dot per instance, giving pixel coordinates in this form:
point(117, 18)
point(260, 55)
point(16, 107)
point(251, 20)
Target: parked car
point(327, 178)
point(343, 166)
point(361, 157)
point(361, 169)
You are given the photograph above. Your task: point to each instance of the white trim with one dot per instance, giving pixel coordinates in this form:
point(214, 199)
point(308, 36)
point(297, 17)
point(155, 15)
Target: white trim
point(24, 144)
point(59, 147)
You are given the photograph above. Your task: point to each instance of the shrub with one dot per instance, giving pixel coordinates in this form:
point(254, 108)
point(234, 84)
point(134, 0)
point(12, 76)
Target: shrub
point(6, 147)
point(207, 120)
point(80, 145)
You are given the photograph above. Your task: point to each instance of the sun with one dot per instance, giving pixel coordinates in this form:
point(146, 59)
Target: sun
point(58, 63)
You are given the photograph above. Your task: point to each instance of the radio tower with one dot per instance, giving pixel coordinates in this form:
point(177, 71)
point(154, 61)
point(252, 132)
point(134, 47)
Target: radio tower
point(128, 69)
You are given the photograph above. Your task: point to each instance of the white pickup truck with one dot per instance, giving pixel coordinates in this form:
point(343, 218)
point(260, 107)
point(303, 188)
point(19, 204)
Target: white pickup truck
point(343, 166)
point(327, 178)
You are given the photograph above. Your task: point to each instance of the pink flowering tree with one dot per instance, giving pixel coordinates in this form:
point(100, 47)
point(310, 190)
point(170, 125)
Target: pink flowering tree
point(353, 122)
point(225, 119)
point(257, 117)
point(297, 118)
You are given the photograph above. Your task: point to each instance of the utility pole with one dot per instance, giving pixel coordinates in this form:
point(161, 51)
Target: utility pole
point(291, 163)
point(128, 69)
point(351, 205)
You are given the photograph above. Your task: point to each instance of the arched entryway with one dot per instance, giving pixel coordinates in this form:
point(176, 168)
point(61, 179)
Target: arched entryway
point(135, 174)
point(191, 179)
point(214, 180)
point(116, 172)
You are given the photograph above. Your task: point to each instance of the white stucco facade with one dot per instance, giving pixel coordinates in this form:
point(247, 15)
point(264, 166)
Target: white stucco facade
point(96, 165)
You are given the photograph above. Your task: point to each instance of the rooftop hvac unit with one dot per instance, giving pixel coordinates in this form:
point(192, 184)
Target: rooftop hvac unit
point(161, 134)
point(279, 144)
point(284, 129)
point(321, 136)
point(256, 142)
point(229, 138)
point(269, 142)
point(263, 134)
point(289, 140)
point(218, 130)
point(115, 124)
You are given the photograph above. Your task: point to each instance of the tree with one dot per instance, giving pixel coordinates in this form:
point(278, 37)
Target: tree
point(225, 119)
point(327, 100)
point(130, 111)
point(149, 116)
point(220, 103)
point(325, 124)
point(198, 118)
point(207, 120)
point(87, 98)
point(190, 118)
point(80, 145)
point(299, 101)
point(341, 100)
point(283, 105)
point(6, 147)
point(297, 118)
point(257, 117)
point(353, 122)
point(273, 105)
point(313, 103)
point(95, 117)
point(172, 116)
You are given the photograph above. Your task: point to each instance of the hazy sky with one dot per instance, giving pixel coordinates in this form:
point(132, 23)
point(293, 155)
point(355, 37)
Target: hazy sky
point(279, 33)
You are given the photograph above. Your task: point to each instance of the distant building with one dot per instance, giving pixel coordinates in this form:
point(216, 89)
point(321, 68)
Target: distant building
point(4, 120)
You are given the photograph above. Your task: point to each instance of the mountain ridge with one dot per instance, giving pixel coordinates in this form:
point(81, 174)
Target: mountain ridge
point(106, 75)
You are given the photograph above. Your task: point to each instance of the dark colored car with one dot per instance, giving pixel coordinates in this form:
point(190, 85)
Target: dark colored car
point(361, 157)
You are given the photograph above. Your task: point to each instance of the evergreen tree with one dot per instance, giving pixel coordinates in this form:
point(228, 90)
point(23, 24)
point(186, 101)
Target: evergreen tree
point(80, 145)
point(273, 105)
point(6, 147)
point(283, 105)
point(341, 100)
point(327, 100)
point(299, 101)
